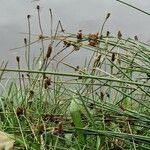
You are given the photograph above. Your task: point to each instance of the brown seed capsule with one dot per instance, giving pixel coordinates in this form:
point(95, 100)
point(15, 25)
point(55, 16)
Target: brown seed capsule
point(135, 38)
point(18, 59)
point(49, 51)
point(108, 15)
point(48, 117)
point(107, 119)
point(22, 76)
point(113, 57)
point(77, 68)
point(37, 7)
point(108, 95)
point(28, 16)
point(119, 35)
point(107, 33)
point(47, 82)
point(20, 111)
point(28, 75)
point(76, 47)
point(91, 106)
point(93, 39)
point(25, 41)
point(102, 96)
point(31, 94)
point(66, 44)
point(40, 129)
point(58, 130)
point(79, 36)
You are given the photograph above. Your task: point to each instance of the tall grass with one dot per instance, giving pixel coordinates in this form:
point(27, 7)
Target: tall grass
point(103, 104)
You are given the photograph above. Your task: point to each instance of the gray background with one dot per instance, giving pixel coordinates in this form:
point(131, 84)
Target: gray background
point(74, 14)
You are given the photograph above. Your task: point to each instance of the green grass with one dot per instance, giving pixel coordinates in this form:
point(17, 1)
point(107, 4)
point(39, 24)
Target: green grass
point(102, 104)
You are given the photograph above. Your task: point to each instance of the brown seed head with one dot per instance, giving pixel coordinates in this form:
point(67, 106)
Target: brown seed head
point(135, 38)
point(77, 68)
point(20, 111)
point(66, 44)
point(79, 36)
point(102, 96)
point(48, 117)
point(18, 59)
point(107, 33)
point(113, 57)
point(22, 76)
point(93, 39)
point(37, 7)
point(119, 35)
point(49, 51)
point(108, 15)
point(28, 16)
point(101, 37)
point(40, 129)
point(31, 94)
point(41, 37)
point(58, 130)
point(108, 95)
point(47, 82)
point(28, 75)
point(25, 41)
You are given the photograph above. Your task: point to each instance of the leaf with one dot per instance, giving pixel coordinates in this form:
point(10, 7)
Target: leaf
point(75, 113)
point(6, 141)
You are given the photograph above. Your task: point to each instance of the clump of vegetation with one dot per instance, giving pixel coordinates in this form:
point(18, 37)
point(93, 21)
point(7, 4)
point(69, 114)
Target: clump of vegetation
point(102, 104)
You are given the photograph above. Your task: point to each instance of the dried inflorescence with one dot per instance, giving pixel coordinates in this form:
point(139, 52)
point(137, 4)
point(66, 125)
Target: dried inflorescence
point(66, 44)
point(25, 41)
point(136, 38)
point(91, 106)
point(119, 35)
point(31, 94)
point(79, 36)
point(76, 47)
point(108, 15)
point(77, 68)
point(37, 7)
point(102, 96)
point(49, 51)
point(20, 111)
point(107, 33)
point(22, 75)
point(93, 39)
point(28, 16)
point(52, 118)
point(113, 57)
point(117, 143)
point(28, 76)
point(58, 130)
point(49, 117)
point(108, 95)
point(107, 119)
point(18, 59)
point(47, 82)
point(40, 129)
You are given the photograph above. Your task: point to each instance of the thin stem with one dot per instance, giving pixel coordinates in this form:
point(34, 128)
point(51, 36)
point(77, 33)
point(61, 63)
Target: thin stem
point(29, 28)
point(134, 7)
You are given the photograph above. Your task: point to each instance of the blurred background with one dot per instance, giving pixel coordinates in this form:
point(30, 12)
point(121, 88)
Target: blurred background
point(87, 15)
